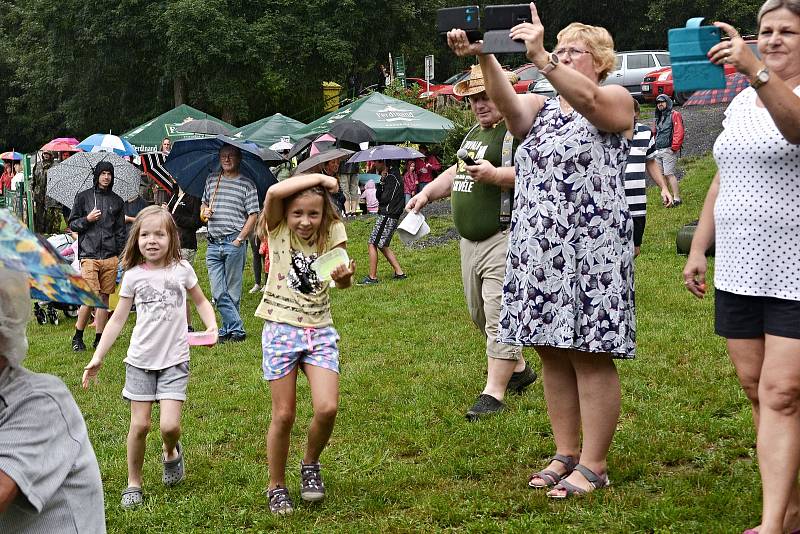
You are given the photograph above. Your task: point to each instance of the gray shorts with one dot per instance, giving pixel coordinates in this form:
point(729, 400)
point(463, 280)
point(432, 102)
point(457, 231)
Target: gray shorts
point(152, 386)
point(668, 159)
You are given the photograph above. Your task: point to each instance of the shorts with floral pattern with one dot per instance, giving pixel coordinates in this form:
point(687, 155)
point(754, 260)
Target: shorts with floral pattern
point(284, 346)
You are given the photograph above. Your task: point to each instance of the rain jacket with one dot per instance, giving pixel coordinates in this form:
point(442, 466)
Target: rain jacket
point(669, 126)
point(104, 238)
point(391, 200)
point(370, 196)
point(187, 218)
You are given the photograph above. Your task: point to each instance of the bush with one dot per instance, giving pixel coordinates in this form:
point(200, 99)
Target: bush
point(463, 120)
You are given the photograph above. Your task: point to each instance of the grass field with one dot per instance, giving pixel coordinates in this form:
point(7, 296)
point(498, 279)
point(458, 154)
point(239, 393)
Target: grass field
point(402, 457)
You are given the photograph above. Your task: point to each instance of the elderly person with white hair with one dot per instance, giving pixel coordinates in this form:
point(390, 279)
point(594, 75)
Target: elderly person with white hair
point(49, 477)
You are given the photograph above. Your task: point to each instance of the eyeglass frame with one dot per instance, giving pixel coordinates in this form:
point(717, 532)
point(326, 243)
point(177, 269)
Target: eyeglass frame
point(572, 52)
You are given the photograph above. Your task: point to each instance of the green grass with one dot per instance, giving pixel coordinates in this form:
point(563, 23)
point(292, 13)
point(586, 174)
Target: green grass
point(402, 457)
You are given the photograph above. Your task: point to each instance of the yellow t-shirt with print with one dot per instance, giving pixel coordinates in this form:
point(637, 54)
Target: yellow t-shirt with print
point(294, 293)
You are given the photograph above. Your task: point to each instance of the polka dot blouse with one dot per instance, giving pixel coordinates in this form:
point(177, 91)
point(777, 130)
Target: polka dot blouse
point(757, 213)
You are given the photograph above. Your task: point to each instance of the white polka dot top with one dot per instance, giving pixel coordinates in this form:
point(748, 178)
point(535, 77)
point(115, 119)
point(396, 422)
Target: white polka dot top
point(757, 213)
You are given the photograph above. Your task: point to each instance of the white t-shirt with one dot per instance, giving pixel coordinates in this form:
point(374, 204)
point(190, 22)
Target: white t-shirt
point(757, 216)
point(159, 339)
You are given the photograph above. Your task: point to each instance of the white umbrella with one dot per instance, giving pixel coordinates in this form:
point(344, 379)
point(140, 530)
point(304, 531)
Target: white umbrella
point(76, 174)
point(281, 145)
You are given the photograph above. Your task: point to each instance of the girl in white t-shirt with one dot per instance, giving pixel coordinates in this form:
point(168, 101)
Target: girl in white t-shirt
point(301, 223)
point(157, 363)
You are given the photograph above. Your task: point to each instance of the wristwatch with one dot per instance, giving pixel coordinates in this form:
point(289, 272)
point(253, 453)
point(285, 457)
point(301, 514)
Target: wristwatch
point(762, 77)
point(553, 63)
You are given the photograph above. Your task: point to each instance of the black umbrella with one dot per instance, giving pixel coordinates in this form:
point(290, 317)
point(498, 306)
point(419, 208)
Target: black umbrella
point(322, 157)
point(302, 144)
point(352, 131)
point(152, 164)
point(204, 126)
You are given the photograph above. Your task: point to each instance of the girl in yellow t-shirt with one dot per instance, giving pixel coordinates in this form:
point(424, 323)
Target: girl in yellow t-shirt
point(301, 224)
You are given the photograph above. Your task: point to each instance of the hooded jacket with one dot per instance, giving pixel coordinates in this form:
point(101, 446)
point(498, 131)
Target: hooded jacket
point(669, 126)
point(391, 199)
point(105, 237)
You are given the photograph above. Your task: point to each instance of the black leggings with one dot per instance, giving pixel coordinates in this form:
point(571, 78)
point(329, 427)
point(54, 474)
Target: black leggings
point(258, 259)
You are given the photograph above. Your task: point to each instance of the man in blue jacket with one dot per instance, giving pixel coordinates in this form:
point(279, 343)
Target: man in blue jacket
point(98, 216)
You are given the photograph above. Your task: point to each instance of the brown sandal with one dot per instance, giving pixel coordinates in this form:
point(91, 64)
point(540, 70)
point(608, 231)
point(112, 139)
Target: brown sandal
point(550, 477)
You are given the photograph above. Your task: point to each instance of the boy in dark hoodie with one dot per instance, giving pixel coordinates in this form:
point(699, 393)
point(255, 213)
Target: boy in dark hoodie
point(391, 202)
point(668, 141)
point(98, 216)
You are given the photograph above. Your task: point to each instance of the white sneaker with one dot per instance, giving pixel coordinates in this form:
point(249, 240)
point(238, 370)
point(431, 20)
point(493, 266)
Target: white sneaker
point(255, 289)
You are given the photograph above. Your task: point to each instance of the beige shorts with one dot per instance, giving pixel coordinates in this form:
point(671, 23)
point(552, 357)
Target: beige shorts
point(668, 160)
point(348, 183)
point(101, 275)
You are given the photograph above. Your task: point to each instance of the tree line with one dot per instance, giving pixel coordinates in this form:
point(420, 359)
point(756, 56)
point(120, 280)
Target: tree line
point(71, 67)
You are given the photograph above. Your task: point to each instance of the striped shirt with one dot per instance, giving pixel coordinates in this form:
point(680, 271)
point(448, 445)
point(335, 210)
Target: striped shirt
point(236, 199)
point(642, 149)
point(45, 449)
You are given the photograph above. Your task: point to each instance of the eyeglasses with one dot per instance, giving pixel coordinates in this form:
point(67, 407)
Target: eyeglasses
point(573, 53)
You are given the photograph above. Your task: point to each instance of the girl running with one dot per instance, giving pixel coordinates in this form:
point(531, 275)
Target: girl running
point(157, 364)
point(302, 224)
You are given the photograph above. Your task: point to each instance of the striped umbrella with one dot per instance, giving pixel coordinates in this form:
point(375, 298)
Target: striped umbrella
point(734, 84)
point(15, 156)
point(107, 143)
point(152, 164)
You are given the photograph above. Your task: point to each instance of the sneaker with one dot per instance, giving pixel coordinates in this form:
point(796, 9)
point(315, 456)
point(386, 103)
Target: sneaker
point(676, 202)
point(255, 289)
point(223, 338)
point(279, 501)
point(236, 338)
point(519, 382)
point(190, 328)
point(311, 487)
point(368, 281)
point(78, 345)
point(485, 405)
point(401, 276)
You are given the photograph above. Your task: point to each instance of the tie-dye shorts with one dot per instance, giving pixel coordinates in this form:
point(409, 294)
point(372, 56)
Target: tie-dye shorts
point(284, 346)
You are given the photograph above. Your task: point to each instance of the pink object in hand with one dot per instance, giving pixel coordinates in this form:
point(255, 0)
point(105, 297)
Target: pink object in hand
point(202, 339)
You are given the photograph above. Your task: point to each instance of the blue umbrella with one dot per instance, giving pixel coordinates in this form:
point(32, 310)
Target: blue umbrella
point(381, 152)
point(15, 156)
point(107, 143)
point(191, 161)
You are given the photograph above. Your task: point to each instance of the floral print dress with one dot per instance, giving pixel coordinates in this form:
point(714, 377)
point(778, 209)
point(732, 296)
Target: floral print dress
point(569, 266)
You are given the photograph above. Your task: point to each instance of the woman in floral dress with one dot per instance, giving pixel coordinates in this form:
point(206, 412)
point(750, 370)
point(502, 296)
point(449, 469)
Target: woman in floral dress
point(568, 288)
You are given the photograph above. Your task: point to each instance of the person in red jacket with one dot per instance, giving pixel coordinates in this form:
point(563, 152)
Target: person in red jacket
point(426, 168)
point(668, 141)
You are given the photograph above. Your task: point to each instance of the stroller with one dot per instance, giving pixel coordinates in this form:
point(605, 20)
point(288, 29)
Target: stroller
point(48, 311)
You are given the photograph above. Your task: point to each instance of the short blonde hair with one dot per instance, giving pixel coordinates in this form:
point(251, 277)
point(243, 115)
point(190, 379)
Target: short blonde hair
point(597, 40)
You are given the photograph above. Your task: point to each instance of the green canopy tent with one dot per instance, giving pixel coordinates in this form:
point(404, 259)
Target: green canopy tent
point(268, 130)
point(148, 136)
point(393, 120)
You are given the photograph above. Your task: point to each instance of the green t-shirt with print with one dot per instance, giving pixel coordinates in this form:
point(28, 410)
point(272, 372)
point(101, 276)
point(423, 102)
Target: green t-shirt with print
point(476, 206)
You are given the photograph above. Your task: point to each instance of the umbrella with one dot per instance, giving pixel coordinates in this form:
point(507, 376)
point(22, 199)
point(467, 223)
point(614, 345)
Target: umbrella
point(301, 145)
point(16, 156)
point(734, 84)
point(191, 161)
point(52, 277)
point(382, 152)
point(321, 144)
point(75, 174)
point(152, 164)
point(61, 144)
point(322, 157)
point(204, 126)
point(352, 131)
point(107, 143)
point(281, 145)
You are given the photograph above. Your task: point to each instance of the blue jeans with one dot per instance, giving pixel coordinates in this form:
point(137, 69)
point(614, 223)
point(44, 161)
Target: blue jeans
point(225, 262)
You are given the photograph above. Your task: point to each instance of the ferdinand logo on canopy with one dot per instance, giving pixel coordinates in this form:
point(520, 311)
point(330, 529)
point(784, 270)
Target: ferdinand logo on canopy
point(393, 114)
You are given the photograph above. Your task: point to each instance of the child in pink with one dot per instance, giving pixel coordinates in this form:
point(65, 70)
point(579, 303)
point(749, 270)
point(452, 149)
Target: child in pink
point(410, 180)
point(370, 195)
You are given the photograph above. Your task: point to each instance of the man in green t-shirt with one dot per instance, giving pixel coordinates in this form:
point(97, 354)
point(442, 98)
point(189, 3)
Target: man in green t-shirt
point(476, 193)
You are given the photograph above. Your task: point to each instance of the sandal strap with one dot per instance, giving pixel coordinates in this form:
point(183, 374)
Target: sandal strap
point(546, 474)
point(568, 461)
point(569, 487)
point(593, 478)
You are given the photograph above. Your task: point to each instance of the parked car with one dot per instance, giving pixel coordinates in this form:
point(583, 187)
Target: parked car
point(542, 87)
point(633, 66)
point(445, 88)
point(528, 74)
point(659, 81)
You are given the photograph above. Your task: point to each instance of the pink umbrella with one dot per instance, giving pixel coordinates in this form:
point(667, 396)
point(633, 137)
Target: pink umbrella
point(322, 143)
point(62, 144)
